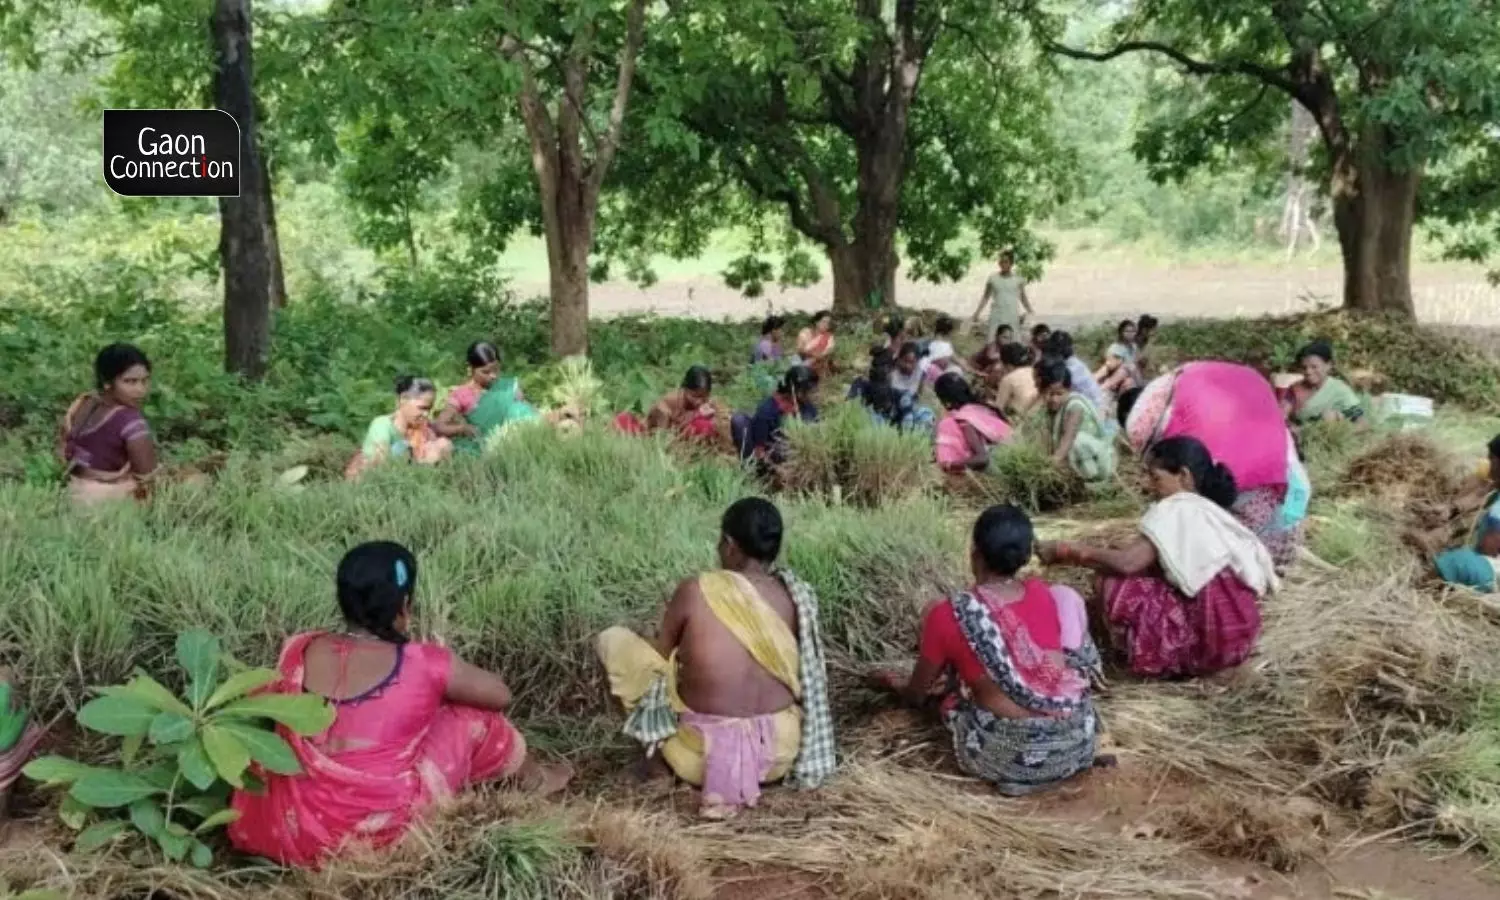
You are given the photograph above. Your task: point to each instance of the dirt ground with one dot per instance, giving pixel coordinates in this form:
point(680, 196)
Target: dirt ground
point(1077, 291)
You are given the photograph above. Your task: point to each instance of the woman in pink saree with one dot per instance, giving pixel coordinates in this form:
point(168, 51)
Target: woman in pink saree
point(414, 726)
point(1232, 410)
point(969, 431)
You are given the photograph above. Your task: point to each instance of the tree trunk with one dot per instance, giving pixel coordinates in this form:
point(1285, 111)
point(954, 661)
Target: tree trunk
point(243, 221)
point(1374, 212)
point(874, 247)
point(570, 237)
point(273, 246)
point(864, 272)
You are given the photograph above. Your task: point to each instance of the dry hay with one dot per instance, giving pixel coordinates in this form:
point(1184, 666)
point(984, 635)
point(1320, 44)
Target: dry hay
point(1360, 689)
point(1279, 832)
point(884, 831)
point(880, 830)
point(1402, 469)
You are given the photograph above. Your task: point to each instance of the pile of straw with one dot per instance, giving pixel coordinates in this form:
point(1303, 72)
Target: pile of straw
point(1403, 468)
point(1360, 701)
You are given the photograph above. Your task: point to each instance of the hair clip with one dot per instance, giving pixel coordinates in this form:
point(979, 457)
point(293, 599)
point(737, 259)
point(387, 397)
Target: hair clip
point(401, 573)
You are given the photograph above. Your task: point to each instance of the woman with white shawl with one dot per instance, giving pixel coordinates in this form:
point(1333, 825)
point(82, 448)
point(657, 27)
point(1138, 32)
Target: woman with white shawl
point(1182, 599)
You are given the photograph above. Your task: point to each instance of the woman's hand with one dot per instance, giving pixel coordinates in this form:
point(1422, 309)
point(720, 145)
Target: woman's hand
point(1047, 552)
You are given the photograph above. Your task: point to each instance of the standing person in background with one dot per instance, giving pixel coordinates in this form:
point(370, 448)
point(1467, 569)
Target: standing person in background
point(104, 441)
point(815, 344)
point(769, 347)
point(1005, 294)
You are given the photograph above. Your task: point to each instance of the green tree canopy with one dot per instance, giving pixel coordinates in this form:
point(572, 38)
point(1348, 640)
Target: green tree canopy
point(1404, 94)
point(860, 124)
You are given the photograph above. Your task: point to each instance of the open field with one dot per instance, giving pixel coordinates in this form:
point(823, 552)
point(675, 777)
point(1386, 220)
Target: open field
point(1076, 291)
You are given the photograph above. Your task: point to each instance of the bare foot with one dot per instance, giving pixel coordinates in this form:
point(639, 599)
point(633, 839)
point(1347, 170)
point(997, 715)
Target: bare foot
point(718, 812)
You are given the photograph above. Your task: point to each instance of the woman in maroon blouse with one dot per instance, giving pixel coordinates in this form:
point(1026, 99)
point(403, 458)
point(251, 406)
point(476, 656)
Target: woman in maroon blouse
point(105, 442)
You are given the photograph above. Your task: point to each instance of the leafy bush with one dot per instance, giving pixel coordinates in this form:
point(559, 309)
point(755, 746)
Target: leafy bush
point(180, 756)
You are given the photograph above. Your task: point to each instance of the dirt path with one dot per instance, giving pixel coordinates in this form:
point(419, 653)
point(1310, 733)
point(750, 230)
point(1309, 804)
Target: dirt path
point(1078, 291)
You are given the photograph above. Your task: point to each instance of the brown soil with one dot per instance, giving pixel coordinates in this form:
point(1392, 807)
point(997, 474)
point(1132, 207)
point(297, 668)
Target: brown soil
point(1080, 291)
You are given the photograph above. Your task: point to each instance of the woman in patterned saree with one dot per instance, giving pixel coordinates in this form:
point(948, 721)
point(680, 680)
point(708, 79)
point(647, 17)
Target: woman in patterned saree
point(1232, 410)
point(1021, 713)
point(1182, 598)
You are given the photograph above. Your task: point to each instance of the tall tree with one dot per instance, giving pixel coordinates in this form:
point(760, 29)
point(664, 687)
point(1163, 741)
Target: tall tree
point(865, 123)
point(427, 81)
point(1400, 91)
point(244, 222)
point(181, 54)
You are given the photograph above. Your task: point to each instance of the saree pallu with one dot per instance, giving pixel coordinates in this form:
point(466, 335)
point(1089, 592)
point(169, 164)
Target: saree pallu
point(1164, 633)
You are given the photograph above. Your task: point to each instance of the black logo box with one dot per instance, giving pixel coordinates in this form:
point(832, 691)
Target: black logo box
point(171, 152)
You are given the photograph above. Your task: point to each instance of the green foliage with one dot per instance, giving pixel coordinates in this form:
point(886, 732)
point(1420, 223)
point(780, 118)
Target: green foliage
point(1398, 88)
point(1022, 472)
point(787, 102)
point(520, 859)
point(179, 756)
point(13, 717)
point(851, 458)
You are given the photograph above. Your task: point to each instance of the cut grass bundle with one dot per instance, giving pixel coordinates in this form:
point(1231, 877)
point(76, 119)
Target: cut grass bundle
point(1022, 472)
point(1404, 468)
point(886, 831)
point(847, 455)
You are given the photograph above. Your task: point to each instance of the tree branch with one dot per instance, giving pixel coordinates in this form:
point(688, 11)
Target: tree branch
point(635, 28)
point(1276, 78)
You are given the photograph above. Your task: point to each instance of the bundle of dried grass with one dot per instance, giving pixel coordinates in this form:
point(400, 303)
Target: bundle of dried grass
point(1278, 832)
point(1403, 468)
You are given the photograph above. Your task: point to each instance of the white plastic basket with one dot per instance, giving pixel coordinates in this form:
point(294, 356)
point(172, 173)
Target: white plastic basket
point(1405, 410)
